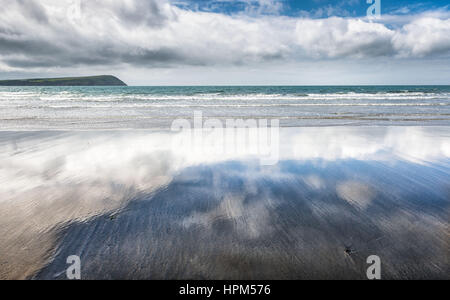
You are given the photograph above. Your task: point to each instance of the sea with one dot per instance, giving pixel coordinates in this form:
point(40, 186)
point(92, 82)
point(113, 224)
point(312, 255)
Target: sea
point(40, 108)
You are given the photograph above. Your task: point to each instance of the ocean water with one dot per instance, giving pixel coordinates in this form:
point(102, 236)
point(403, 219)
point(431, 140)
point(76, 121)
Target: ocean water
point(34, 108)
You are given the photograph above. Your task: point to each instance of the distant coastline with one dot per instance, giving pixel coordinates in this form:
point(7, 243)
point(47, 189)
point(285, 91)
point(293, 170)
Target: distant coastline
point(103, 80)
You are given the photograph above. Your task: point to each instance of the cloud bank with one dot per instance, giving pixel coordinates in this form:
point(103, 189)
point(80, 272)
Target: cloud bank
point(155, 33)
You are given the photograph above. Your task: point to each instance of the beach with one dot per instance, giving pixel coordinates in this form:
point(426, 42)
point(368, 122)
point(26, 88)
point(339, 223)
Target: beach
point(132, 205)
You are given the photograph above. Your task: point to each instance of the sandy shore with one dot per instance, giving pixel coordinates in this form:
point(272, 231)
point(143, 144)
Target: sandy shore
point(133, 207)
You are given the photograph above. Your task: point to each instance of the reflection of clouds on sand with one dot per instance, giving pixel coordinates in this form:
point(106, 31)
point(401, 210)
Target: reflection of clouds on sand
point(418, 144)
point(53, 182)
point(228, 221)
point(133, 161)
point(247, 219)
point(314, 182)
point(59, 179)
point(356, 193)
point(332, 143)
point(410, 143)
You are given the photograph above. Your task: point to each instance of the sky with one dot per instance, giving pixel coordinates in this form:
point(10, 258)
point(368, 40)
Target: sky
point(224, 42)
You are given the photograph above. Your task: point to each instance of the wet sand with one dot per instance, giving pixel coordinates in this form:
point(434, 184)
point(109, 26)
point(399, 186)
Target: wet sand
point(133, 207)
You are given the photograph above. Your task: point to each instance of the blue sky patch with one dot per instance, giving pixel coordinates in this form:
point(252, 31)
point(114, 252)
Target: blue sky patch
point(309, 8)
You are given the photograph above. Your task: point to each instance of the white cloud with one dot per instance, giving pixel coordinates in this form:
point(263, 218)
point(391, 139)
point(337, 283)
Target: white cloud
point(338, 37)
point(423, 37)
point(70, 33)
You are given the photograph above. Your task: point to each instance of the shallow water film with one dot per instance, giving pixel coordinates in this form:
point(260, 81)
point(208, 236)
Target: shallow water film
point(132, 206)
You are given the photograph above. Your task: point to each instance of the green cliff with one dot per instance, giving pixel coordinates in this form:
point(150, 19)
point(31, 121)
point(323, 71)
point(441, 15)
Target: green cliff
point(104, 80)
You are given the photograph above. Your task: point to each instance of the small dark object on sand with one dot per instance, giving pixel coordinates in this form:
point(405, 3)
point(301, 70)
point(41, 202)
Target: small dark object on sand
point(349, 250)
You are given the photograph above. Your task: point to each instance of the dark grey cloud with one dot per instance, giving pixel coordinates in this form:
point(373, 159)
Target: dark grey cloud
point(376, 48)
point(11, 44)
point(33, 10)
point(156, 58)
point(143, 13)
